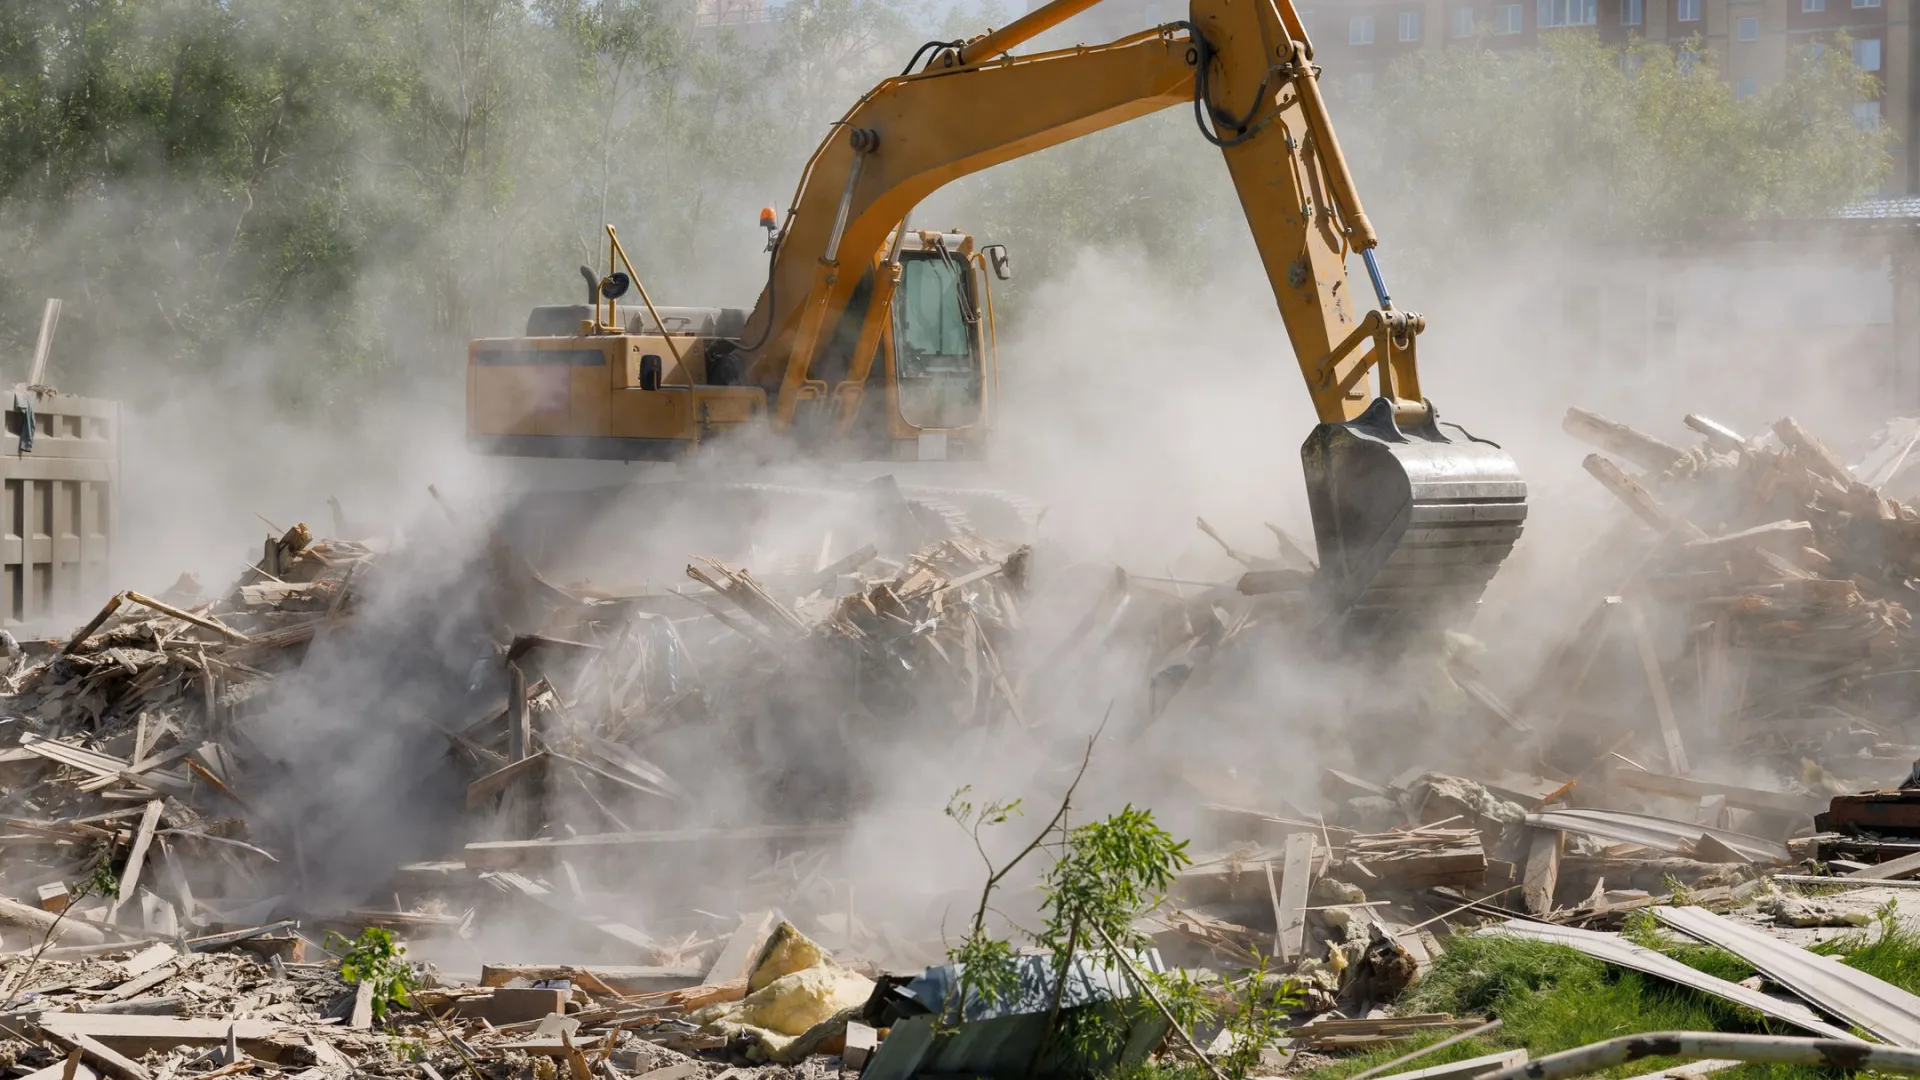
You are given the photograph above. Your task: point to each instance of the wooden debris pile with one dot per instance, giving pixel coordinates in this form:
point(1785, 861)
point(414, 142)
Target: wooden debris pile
point(1758, 611)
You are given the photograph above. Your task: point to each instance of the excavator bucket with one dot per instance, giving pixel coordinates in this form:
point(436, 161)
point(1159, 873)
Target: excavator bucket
point(1411, 524)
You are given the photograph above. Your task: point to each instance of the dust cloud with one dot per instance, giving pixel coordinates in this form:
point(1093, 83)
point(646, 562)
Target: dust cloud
point(1143, 389)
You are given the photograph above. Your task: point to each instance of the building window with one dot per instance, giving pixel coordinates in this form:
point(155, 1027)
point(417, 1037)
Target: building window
point(1866, 3)
point(1688, 58)
point(1506, 19)
point(1360, 29)
point(1745, 89)
point(1813, 5)
point(1631, 12)
point(1567, 12)
point(1747, 28)
point(1866, 54)
point(1462, 22)
point(1689, 10)
point(1866, 115)
point(1409, 26)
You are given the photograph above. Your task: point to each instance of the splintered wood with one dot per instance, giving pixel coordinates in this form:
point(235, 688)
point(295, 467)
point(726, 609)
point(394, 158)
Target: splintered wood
point(1766, 608)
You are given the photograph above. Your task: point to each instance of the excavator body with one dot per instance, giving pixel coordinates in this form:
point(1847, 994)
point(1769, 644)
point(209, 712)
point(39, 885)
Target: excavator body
point(1411, 522)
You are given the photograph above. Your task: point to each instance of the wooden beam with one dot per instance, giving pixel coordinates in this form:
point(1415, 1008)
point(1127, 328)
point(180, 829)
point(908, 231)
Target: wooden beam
point(1543, 871)
point(1892, 870)
point(1644, 450)
point(137, 858)
point(504, 777)
point(519, 729)
point(1657, 683)
point(1295, 876)
point(1638, 499)
point(743, 948)
point(43, 345)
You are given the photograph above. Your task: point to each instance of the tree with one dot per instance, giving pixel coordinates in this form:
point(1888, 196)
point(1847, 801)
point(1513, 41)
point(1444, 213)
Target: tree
point(1588, 140)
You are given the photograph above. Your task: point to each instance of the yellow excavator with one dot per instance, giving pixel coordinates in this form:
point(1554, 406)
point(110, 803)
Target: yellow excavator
point(1411, 522)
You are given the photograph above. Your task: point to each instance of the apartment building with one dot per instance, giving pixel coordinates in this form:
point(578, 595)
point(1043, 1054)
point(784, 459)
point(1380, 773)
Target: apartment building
point(1756, 40)
point(751, 22)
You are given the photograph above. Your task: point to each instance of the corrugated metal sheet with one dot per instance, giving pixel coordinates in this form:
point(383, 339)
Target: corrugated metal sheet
point(1618, 951)
point(1660, 834)
point(1855, 997)
point(1000, 1038)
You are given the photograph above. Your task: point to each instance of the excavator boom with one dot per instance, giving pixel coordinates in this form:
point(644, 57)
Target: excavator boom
point(1411, 523)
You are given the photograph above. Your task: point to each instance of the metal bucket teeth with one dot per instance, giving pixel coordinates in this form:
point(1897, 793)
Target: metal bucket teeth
point(1411, 524)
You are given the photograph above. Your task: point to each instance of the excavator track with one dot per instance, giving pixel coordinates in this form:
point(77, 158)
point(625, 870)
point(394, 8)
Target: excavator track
point(1411, 524)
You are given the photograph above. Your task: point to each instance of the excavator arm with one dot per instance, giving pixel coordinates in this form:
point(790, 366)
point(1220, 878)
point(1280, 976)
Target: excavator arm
point(1409, 522)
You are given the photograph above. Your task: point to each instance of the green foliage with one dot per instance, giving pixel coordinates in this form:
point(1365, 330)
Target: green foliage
point(1580, 138)
point(1103, 877)
point(351, 188)
point(1553, 998)
point(1257, 1018)
point(1677, 891)
point(375, 957)
point(322, 194)
point(1107, 874)
point(100, 879)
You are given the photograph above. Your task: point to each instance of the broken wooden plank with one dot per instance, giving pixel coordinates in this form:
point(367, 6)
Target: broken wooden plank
point(502, 778)
point(1892, 870)
point(137, 857)
point(106, 612)
point(169, 610)
point(492, 854)
point(134, 1034)
point(1543, 871)
point(1785, 536)
point(109, 1061)
point(624, 980)
point(73, 931)
point(1644, 450)
point(1811, 452)
point(1279, 912)
point(1779, 802)
point(1296, 875)
point(1638, 499)
point(736, 959)
point(519, 729)
point(78, 757)
point(1718, 435)
point(1657, 684)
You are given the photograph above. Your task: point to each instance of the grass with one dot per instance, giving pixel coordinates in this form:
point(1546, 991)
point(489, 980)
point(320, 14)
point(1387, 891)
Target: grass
point(1553, 998)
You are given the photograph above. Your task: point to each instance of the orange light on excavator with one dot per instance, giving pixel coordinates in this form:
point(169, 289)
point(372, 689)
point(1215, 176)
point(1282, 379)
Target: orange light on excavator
point(767, 220)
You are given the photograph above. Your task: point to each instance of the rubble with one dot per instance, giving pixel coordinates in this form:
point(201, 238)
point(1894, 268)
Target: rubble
point(1724, 727)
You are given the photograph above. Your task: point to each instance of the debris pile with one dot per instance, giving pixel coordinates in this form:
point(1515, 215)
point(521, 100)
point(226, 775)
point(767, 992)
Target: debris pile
point(1724, 725)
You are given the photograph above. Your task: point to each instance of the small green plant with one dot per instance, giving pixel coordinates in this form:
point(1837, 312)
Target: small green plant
point(1104, 876)
point(408, 1050)
point(1677, 891)
point(1257, 1017)
point(100, 881)
point(375, 957)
